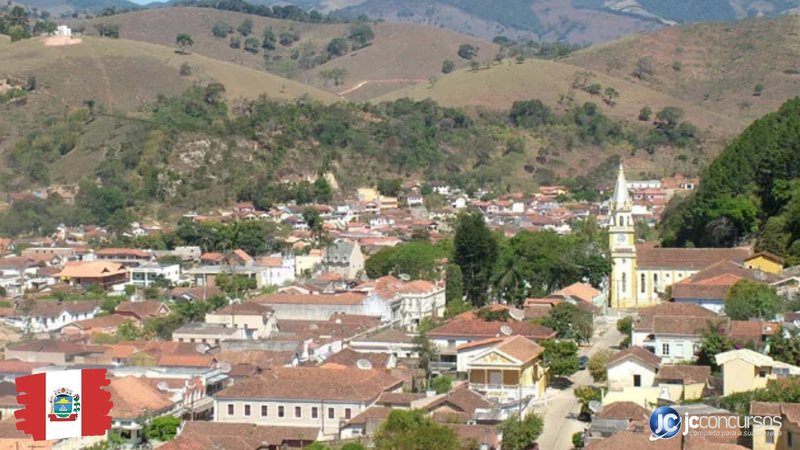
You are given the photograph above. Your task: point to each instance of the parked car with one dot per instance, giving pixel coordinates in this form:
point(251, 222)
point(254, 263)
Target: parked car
point(583, 362)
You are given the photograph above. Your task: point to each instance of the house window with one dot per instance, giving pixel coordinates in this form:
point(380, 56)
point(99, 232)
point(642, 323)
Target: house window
point(789, 439)
point(314, 412)
point(246, 410)
point(330, 413)
point(665, 349)
point(280, 411)
point(655, 281)
point(641, 288)
point(347, 413)
point(263, 410)
point(230, 409)
point(298, 412)
point(637, 380)
point(770, 438)
point(762, 373)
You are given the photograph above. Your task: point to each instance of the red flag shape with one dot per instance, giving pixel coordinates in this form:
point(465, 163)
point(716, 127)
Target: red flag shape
point(63, 404)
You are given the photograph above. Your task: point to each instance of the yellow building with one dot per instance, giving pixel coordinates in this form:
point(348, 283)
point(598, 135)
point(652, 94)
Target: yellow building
point(779, 428)
point(765, 262)
point(367, 194)
point(745, 370)
point(642, 272)
point(509, 370)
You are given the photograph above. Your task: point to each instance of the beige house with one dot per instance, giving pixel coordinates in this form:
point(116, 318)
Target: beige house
point(510, 369)
point(632, 367)
point(771, 434)
point(745, 370)
point(257, 320)
point(319, 397)
point(211, 334)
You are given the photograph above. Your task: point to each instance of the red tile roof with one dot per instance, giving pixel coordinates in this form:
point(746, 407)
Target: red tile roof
point(133, 396)
point(639, 353)
point(683, 373)
point(625, 411)
point(147, 309)
point(479, 328)
point(349, 298)
point(649, 257)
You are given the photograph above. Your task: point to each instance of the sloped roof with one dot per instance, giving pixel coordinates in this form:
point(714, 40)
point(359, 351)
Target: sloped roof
point(335, 383)
point(639, 353)
point(126, 252)
point(649, 257)
point(685, 373)
point(520, 348)
point(462, 399)
point(349, 298)
point(625, 411)
point(464, 325)
point(93, 269)
point(582, 291)
point(109, 321)
point(633, 440)
point(132, 396)
point(237, 436)
point(143, 310)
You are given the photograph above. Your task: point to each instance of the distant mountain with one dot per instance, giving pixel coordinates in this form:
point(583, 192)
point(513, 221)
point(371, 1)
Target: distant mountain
point(58, 7)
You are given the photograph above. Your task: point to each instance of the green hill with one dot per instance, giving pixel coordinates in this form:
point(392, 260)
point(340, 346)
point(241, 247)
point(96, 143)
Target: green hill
point(715, 65)
point(751, 190)
point(399, 53)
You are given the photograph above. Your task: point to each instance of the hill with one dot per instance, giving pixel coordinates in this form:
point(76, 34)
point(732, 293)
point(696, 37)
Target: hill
point(59, 7)
point(751, 190)
point(717, 66)
point(120, 76)
point(398, 53)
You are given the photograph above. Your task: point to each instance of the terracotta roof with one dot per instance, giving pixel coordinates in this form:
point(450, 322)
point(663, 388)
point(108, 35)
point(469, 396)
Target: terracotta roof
point(480, 434)
point(56, 346)
point(51, 308)
point(534, 311)
point(581, 291)
point(242, 255)
point(109, 321)
point(238, 436)
point(243, 309)
point(649, 257)
point(173, 360)
point(755, 330)
point(632, 440)
point(479, 328)
point(685, 319)
point(372, 414)
point(639, 353)
point(258, 358)
point(93, 269)
point(348, 358)
point(390, 335)
point(350, 298)
point(143, 310)
point(398, 398)
point(126, 252)
point(197, 293)
point(131, 396)
point(678, 309)
point(269, 261)
point(520, 348)
point(625, 411)
point(767, 255)
point(212, 257)
point(463, 400)
point(314, 383)
point(481, 343)
point(685, 373)
point(14, 365)
point(765, 409)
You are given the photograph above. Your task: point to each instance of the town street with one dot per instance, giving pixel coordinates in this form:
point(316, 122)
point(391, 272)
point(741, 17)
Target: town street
point(560, 414)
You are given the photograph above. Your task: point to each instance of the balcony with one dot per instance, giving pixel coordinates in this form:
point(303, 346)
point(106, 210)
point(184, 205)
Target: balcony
point(505, 392)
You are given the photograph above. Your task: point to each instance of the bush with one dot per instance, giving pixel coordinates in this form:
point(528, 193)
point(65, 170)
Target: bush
point(221, 29)
point(162, 428)
point(467, 51)
point(597, 364)
point(185, 70)
point(577, 439)
point(441, 384)
point(448, 66)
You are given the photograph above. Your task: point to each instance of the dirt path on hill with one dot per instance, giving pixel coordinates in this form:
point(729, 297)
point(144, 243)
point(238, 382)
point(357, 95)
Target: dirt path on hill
point(361, 84)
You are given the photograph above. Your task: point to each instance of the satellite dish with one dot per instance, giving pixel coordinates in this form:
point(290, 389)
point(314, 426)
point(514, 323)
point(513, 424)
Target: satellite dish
point(506, 330)
point(224, 367)
point(162, 386)
point(364, 364)
point(201, 348)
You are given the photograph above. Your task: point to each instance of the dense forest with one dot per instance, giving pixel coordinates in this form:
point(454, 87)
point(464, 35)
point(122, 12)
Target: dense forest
point(750, 191)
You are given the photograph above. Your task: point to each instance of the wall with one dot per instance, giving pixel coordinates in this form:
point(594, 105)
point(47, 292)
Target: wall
point(328, 425)
point(741, 376)
point(621, 374)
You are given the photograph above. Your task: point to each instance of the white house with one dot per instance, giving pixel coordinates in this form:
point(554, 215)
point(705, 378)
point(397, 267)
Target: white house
point(147, 274)
point(632, 367)
point(674, 331)
point(280, 269)
point(52, 316)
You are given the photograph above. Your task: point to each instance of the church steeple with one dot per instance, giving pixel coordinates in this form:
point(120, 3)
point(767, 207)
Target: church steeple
point(622, 199)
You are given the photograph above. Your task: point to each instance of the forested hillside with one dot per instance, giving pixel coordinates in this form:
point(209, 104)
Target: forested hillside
point(751, 190)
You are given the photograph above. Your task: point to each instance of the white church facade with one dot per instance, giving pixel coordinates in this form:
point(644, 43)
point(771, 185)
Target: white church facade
point(642, 272)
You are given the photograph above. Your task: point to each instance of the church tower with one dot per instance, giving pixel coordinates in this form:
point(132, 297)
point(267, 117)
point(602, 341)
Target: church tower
point(622, 246)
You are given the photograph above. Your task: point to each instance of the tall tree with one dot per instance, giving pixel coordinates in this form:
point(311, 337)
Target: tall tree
point(751, 300)
point(184, 40)
point(520, 434)
point(475, 252)
point(454, 287)
point(414, 430)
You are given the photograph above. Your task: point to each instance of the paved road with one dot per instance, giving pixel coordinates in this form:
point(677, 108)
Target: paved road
point(562, 408)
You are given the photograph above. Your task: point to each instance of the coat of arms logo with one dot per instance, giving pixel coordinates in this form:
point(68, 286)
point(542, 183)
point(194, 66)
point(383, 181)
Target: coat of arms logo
point(64, 406)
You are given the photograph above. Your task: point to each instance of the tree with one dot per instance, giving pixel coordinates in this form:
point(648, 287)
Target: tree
point(587, 394)
point(475, 252)
point(669, 117)
point(184, 40)
point(414, 430)
point(109, 31)
point(758, 90)
point(361, 34)
point(448, 66)
point(454, 285)
point(561, 356)
point(752, 300)
point(611, 96)
point(643, 69)
point(785, 346)
point(467, 51)
point(323, 193)
point(336, 75)
point(597, 364)
point(645, 114)
point(530, 113)
point(474, 66)
point(286, 38)
point(221, 29)
point(129, 331)
point(577, 440)
point(714, 342)
point(521, 434)
point(251, 44)
point(162, 428)
point(268, 40)
point(570, 322)
point(442, 384)
point(390, 187)
point(625, 327)
point(245, 28)
point(236, 42)
point(337, 47)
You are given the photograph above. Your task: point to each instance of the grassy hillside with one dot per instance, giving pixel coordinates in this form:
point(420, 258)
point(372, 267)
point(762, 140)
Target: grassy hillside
point(399, 52)
point(715, 65)
point(59, 7)
point(119, 76)
point(4, 39)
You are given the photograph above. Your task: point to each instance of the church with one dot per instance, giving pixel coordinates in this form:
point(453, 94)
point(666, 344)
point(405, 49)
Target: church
point(642, 272)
